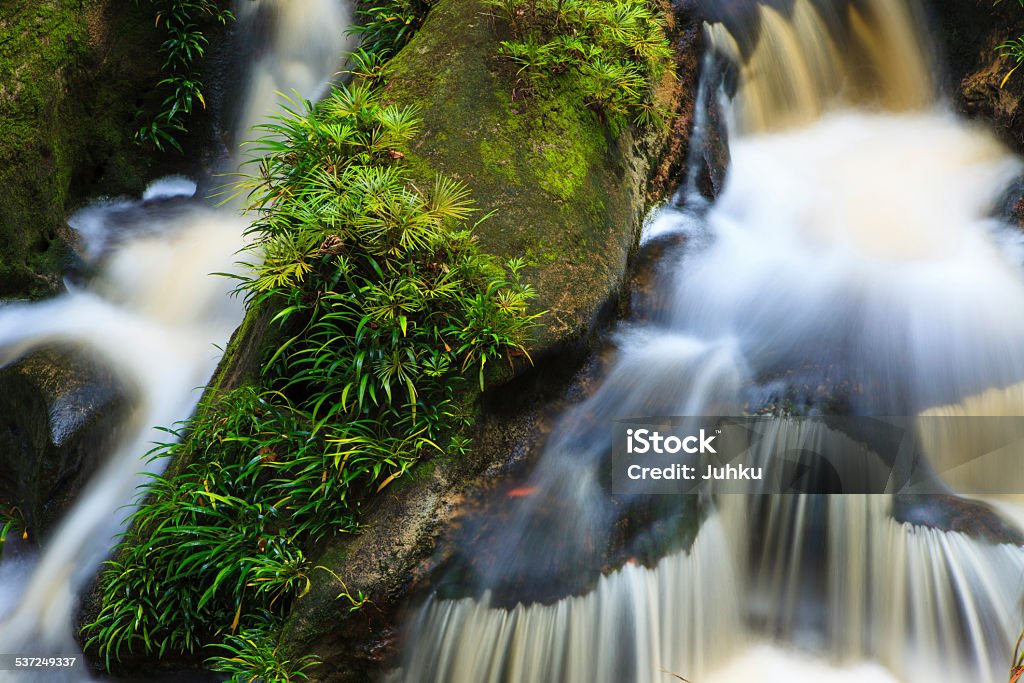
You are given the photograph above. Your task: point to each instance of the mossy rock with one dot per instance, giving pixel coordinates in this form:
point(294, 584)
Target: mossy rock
point(567, 195)
point(72, 81)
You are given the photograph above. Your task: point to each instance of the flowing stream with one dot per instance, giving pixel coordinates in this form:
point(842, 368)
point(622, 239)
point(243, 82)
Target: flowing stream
point(852, 260)
point(156, 314)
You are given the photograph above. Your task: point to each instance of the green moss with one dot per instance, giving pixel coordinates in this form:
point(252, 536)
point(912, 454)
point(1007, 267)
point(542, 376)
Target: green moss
point(412, 479)
point(34, 171)
point(497, 155)
point(68, 83)
point(565, 167)
point(566, 194)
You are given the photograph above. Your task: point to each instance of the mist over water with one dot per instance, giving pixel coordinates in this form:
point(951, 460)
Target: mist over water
point(852, 264)
point(157, 314)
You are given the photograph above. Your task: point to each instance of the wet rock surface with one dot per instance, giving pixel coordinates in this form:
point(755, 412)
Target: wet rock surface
point(952, 513)
point(60, 411)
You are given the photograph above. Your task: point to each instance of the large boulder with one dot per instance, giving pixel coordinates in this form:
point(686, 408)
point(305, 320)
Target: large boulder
point(60, 411)
point(570, 198)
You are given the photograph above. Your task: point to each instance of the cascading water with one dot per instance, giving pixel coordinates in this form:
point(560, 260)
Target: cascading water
point(680, 615)
point(156, 314)
point(850, 264)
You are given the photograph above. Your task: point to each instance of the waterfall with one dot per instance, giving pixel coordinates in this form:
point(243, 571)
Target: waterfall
point(157, 316)
point(679, 616)
point(943, 606)
point(850, 265)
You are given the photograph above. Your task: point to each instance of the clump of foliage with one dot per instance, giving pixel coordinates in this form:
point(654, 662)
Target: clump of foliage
point(385, 26)
point(386, 303)
point(614, 51)
point(216, 538)
point(1012, 49)
point(254, 655)
point(405, 301)
point(183, 51)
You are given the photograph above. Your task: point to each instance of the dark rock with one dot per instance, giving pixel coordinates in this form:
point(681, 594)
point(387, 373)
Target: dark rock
point(715, 155)
point(689, 47)
point(969, 33)
point(60, 410)
point(649, 273)
point(951, 513)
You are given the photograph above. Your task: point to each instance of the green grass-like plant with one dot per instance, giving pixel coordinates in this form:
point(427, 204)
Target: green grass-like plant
point(11, 524)
point(386, 304)
point(254, 655)
point(385, 26)
point(613, 51)
point(1013, 50)
point(183, 50)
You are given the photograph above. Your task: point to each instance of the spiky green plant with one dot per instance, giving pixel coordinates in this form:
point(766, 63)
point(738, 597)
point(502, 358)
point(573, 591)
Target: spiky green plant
point(182, 21)
point(254, 656)
point(386, 304)
point(615, 52)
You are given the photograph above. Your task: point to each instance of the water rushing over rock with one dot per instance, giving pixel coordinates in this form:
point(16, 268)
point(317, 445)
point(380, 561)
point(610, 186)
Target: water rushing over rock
point(924, 602)
point(158, 315)
point(680, 616)
point(850, 265)
point(820, 56)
